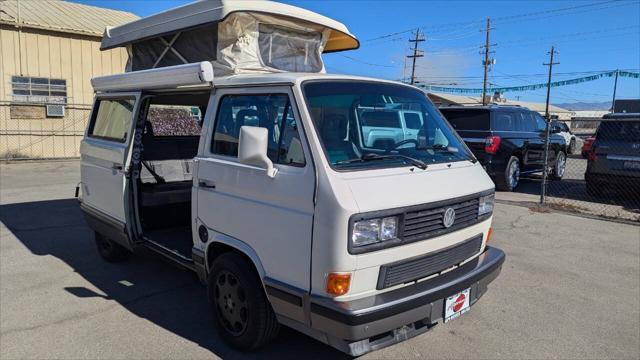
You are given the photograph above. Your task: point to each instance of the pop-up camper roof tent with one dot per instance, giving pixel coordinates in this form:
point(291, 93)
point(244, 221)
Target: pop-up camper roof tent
point(235, 36)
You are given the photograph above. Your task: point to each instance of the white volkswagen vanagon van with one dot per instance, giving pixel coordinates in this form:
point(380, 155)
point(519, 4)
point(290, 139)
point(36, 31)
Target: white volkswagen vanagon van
point(227, 149)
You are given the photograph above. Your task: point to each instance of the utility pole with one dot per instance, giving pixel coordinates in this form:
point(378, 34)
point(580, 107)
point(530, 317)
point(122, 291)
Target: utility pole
point(548, 120)
point(615, 86)
point(486, 62)
point(416, 54)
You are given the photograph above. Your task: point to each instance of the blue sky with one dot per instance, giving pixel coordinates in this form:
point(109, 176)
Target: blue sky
point(589, 36)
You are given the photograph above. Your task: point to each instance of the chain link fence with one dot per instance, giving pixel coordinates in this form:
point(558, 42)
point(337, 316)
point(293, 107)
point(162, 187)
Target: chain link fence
point(602, 174)
point(27, 132)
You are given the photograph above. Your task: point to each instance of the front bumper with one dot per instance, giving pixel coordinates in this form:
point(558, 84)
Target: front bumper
point(359, 326)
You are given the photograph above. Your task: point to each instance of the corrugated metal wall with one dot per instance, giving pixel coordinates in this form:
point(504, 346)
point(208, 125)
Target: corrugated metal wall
point(40, 53)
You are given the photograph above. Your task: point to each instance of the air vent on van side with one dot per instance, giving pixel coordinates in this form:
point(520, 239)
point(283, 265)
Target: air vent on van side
point(55, 110)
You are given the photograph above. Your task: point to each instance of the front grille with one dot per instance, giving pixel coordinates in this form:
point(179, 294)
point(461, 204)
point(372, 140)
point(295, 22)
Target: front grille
point(423, 266)
point(428, 222)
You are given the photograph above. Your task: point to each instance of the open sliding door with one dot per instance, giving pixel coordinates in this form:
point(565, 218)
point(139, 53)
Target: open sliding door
point(105, 164)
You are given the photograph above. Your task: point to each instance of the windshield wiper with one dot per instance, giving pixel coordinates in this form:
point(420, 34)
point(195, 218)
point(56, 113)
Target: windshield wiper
point(449, 149)
point(371, 156)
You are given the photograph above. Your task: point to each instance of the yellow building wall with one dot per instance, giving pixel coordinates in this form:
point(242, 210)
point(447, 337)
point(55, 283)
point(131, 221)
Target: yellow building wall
point(74, 58)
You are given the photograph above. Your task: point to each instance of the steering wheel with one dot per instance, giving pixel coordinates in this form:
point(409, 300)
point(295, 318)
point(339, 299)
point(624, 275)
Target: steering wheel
point(404, 142)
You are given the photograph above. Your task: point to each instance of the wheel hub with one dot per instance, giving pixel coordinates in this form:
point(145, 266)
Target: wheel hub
point(231, 303)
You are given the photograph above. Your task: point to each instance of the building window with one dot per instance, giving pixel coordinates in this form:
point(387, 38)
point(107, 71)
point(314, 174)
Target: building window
point(39, 90)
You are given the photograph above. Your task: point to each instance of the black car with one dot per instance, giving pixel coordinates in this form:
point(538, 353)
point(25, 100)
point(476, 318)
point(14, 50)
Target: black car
point(614, 158)
point(508, 141)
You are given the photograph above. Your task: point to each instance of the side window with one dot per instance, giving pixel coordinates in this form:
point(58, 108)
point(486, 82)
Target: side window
point(112, 119)
point(412, 121)
point(528, 122)
point(541, 124)
point(272, 112)
point(504, 121)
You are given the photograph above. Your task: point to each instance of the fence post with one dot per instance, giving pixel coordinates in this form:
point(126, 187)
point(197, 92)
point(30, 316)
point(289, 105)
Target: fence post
point(545, 170)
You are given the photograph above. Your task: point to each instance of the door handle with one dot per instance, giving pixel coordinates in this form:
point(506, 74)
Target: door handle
point(116, 166)
point(206, 184)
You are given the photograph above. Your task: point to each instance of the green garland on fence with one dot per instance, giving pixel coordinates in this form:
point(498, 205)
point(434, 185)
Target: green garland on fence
point(533, 86)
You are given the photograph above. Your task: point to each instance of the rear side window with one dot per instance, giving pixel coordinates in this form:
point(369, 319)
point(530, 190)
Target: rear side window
point(505, 121)
point(541, 124)
point(385, 119)
point(112, 119)
point(463, 119)
point(528, 122)
point(412, 120)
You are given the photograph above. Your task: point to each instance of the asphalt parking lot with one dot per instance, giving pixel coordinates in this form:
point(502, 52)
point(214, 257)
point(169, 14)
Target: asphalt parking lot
point(570, 288)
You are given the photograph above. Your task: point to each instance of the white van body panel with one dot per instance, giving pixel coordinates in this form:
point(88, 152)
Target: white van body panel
point(103, 164)
point(384, 189)
point(391, 188)
point(101, 181)
point(270, 215)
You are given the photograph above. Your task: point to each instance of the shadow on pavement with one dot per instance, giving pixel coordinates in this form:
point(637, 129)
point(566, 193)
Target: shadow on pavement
point(146, 286)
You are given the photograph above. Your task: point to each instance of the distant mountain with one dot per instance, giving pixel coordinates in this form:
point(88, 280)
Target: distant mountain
point(579, 106)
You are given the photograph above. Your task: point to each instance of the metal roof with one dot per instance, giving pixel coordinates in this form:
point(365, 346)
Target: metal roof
point(211, 11)
point(62, 16)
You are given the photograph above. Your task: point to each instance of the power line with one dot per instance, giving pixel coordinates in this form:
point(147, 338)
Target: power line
point(366, 62)
point(504, 19)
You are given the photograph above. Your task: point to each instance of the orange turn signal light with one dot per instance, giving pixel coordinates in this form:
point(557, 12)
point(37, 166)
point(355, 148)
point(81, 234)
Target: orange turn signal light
point(489, 234)
point(338, 284)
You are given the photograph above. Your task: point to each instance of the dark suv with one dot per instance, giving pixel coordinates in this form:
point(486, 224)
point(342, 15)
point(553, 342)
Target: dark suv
point(614, 158)
point(508, 141)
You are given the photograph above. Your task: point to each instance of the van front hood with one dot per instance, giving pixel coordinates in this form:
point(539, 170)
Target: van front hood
point(399, 187)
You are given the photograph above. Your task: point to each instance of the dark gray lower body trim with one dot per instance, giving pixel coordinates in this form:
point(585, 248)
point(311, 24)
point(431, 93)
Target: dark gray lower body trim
point(360, 326)
point(387, 304)
point(199, 264)
point(106, 225)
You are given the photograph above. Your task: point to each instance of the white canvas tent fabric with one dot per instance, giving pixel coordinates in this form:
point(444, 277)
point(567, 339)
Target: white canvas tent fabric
point(236, 36)
point(257, 43)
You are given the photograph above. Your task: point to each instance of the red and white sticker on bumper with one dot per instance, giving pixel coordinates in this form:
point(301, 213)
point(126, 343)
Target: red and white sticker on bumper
point(456, 305)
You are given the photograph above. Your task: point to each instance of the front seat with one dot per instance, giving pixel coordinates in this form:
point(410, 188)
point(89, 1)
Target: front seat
point(334, 132)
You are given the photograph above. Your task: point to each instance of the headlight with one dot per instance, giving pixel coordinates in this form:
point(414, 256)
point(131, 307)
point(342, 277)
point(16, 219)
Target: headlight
point(485, 205)
point(371, 231)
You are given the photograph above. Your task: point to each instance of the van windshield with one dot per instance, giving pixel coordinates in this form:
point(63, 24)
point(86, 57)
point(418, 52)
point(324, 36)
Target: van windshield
point(374, 125)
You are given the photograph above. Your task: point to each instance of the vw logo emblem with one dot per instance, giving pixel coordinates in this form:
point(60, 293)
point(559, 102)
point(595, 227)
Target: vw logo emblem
point(449, 217)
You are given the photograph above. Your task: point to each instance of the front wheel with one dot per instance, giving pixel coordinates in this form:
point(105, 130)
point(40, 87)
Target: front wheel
point(243, 314)
point(511, 177)
point(559, 167)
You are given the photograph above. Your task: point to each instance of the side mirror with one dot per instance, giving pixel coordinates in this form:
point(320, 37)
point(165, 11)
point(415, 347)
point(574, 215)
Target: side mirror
point(252, 148)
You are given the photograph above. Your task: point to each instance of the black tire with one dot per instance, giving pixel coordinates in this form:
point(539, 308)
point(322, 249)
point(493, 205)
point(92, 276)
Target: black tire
point(233, 285)
point(594, 189)
point(509, 180)
point(559, 166)
point(109, 250)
